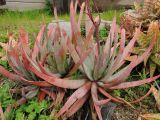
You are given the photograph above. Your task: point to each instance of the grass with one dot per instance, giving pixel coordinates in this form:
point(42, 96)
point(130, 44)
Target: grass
point(31, 20)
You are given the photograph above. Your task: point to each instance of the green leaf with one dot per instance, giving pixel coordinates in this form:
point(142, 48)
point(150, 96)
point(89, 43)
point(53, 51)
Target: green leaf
point(32, 116)
point(152, 68)
point(156, 59)
point(19, 116)
point(43, 117)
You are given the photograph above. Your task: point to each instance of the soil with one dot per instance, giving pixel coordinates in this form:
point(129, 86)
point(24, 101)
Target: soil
point(125, 113)
point(114, 111)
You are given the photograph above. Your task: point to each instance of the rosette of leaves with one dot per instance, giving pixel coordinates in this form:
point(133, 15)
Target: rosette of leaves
point(18, 64)
point(48, 48)
point(141, 15)
point(103, 67)
point(143, 41)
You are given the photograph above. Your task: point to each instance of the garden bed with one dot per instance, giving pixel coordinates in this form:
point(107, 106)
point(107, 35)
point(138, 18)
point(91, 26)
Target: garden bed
point(31, 21)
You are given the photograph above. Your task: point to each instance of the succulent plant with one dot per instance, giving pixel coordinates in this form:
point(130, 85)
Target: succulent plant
point(103, 67)
point(141, 16)
point(48, 48)
point(55, 57)
point(144, 40)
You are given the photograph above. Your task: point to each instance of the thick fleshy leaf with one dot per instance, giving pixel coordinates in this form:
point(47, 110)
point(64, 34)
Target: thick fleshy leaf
point(94, 94)
point(126, 85)
point(41, 96)
point(63, 83)
point(76, 106)
point(8, 74)
point(82, 59)
point(38, 41)
point(75, 29)
point(134, 63)
point(102, 91)
point(98, 111)
point(81, 14)
point(24, 37)
point(78, 94)
point(50, 94)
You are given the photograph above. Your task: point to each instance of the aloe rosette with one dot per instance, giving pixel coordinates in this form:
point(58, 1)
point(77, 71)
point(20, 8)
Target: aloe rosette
point(104, 67)
point(55, 58)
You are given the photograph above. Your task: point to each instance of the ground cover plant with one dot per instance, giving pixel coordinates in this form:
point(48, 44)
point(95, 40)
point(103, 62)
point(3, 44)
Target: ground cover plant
point(47, 67)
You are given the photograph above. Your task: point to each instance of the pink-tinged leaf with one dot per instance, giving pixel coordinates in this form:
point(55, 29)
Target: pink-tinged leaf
point(27, 57)
point(1, 113)
point(81, 14)
point(126, 85)
point(98, 111)
point(37, 83)
point(45, 71)
point(133, 64)
point(120, 59)
point(78, 64)
point(13, 58)
point(78, 94)
point(88, 23)
point(94, 94)
point(38, 42)
point(122, 40)
point(72, 51)
point(75, 29)
point(113, 54)
point(89, 37)
point(41, 96)
point(76, 106)
point(50, 94)
point(50, 31)
point(63, 83)
point(111, 36)
point(75, 5)
point(24, 37)
point(102, 91)
point(8, 74)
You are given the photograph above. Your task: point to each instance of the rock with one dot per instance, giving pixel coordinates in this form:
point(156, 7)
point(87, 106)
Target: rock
point(108, 111)
point(63, 25)
point(105, 24)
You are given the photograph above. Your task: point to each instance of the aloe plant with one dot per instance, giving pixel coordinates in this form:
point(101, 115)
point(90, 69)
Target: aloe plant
point(55, 58)
point(143, 41)
point(48, 48)
point(103, 66)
